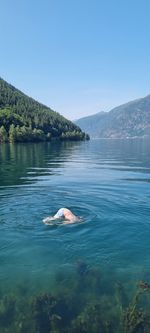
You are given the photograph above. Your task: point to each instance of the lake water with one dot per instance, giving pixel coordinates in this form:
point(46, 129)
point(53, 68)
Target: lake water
point(93, 269)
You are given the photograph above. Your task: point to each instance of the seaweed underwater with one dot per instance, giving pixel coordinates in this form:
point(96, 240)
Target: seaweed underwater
point(84, 300)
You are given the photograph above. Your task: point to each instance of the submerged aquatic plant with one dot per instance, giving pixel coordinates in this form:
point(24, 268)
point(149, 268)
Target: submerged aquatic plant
point(44, 312)
point(90, 321)
point(82, 302)
point(135, 319)
point(7, 310)
point(144, 285)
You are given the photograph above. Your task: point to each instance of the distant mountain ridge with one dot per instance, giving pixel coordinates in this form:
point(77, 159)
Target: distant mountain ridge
point(125, 121)
point(24, 119)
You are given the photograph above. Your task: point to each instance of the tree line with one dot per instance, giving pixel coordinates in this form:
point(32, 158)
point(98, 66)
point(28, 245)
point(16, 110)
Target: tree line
point(24, 119)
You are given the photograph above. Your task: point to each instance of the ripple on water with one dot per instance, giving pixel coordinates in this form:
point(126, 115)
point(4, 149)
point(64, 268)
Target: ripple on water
point(103, 182)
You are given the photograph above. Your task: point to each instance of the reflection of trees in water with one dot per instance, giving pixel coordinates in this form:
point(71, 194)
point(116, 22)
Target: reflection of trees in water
point(16, 160)
point(35, 159)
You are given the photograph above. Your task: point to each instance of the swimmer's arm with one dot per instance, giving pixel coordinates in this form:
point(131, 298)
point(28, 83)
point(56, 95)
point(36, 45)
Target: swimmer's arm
point(56, 217)
point(47, 220)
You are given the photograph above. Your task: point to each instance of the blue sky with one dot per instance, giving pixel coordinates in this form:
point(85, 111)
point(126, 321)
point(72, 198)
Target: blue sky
point(77, 56)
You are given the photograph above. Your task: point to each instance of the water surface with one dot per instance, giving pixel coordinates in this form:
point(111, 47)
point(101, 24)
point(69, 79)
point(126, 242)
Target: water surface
point(106, 182)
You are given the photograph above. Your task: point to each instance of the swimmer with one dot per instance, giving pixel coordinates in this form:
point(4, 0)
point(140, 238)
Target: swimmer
point(63, 213)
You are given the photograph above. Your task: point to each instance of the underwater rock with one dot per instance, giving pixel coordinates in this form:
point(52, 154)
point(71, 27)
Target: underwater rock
point(82, 267)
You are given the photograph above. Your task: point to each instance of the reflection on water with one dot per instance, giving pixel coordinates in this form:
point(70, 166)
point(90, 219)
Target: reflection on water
point(89, 277)
point(19, 161)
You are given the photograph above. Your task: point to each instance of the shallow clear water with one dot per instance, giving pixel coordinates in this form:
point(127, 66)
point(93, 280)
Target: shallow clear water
point(106, 182)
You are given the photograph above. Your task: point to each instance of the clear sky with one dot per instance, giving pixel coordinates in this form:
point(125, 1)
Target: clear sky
point(77, 56)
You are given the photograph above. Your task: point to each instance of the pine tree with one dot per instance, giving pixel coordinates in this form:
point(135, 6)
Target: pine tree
point(12, 133)
point(3, 134)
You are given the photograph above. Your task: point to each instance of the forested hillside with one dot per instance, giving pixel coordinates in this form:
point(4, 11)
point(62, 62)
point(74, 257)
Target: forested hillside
point(125, 121)
point(24, 119)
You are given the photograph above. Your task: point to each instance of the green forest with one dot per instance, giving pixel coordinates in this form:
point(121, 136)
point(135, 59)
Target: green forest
point(22, 119)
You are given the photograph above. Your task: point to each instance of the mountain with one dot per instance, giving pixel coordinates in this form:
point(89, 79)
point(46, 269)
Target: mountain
point(24, 119)
point(125, 121)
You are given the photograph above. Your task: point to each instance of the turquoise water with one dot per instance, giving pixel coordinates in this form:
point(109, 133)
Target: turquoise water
point(106, 182)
